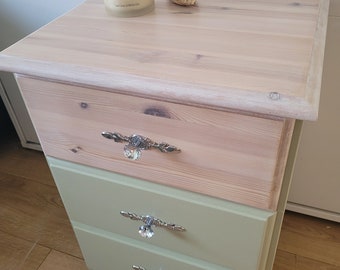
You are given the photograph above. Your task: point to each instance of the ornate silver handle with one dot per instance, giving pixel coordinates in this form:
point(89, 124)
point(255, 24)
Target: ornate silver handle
point(146, 230)
point(135, 267)
point(137, 143)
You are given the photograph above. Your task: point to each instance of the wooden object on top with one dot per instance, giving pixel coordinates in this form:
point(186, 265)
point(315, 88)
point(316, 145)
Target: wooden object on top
point(257, 56)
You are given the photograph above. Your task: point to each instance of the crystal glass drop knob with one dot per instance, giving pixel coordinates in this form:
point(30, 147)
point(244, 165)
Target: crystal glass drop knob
point(146, 231)
point(132, 152)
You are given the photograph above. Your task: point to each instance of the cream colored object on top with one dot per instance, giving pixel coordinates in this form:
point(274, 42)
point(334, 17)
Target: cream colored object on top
point(129, 8)
point(184, 2)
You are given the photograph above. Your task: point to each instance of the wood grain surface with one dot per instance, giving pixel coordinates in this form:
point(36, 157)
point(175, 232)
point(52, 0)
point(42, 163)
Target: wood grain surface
point(33, 220)
point(226, 155)
point(228, 54)
point(58, 260)
point(313, 238)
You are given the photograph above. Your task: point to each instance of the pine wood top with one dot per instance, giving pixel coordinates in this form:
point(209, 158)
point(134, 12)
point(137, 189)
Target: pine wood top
point(227, 54)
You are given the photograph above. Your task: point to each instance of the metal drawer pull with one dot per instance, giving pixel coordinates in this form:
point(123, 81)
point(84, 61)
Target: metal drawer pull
point(146, 230)
point(137, 143)
point(137, 267)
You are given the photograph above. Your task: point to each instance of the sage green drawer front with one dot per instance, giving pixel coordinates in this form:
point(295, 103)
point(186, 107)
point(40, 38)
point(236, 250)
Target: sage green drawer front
point(228, 234)
point(104, 251)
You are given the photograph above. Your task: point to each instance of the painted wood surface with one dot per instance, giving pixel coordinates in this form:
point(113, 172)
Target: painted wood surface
point(217, 231)
point(231, 156)
point(227, 54)
point(128, 253)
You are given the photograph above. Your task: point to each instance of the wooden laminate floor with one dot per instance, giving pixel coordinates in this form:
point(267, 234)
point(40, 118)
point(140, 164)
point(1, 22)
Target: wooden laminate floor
point(35, 233)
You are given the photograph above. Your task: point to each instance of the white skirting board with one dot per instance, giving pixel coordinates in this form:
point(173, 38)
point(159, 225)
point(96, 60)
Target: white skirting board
point(307, 210)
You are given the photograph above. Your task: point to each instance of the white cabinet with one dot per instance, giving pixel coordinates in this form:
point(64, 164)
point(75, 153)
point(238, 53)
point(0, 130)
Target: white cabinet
point(316, 180)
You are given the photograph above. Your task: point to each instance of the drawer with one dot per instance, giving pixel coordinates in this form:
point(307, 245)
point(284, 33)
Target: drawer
point(105, 251)
point(217, 231)
point(226, 155)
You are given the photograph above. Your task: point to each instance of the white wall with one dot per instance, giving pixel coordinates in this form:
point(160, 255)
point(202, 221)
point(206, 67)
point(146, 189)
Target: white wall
point(19, 18)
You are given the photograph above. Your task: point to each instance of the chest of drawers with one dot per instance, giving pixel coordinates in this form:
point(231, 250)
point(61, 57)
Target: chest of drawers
point(203, 101)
